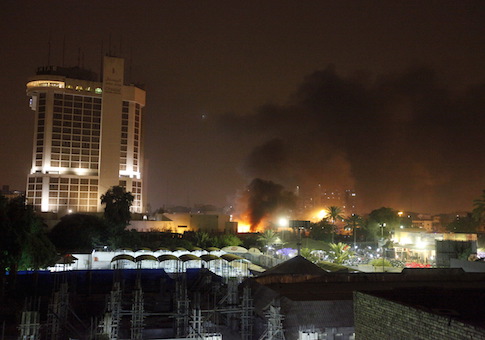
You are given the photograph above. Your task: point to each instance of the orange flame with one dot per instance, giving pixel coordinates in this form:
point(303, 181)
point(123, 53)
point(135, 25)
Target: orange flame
point(244, 226)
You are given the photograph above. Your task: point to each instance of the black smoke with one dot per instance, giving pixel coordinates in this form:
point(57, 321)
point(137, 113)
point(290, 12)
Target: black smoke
point(407, 140)
point(266, 198)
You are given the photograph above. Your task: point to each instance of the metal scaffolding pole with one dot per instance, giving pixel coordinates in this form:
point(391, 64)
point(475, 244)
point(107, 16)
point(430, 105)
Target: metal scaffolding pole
point(112, 317)
point(30, 321)
point(137, 313)
point(247, 315)
point(274, 330)
point(182, 307)
point(196, 329)
point(57, 312)
point(232, 301)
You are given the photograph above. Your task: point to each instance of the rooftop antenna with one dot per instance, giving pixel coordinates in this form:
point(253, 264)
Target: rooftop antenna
point(79, 57)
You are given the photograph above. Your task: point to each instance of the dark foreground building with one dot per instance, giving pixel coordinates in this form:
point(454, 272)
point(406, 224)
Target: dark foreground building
point(308, 303)
point(420, 313)
point(294, 300)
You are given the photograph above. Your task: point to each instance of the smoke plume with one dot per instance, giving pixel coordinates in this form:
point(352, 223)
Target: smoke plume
point(406, 140)
point(265, 199)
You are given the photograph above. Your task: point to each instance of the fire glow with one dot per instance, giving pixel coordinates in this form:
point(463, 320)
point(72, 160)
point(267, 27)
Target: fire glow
point(244, 226)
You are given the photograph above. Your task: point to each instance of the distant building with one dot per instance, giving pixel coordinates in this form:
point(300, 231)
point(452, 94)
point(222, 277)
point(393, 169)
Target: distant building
point(182, 222)
point(320, 198)
point(6, 192)
point(425, 224)
point(87, 138)
point(418, 245)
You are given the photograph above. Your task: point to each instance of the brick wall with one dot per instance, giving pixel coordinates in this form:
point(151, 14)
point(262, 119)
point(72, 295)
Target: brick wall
point(378, 318)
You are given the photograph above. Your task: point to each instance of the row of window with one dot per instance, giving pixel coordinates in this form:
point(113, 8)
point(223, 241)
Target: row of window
point(70, 97)
point(39, 138)
point(73, 194)
point(73, 180)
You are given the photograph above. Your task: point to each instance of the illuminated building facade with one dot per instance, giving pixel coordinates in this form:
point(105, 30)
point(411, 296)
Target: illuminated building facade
point(87, 138)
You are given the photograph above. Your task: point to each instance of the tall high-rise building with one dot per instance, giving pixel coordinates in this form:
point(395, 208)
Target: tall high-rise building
point(87, 138)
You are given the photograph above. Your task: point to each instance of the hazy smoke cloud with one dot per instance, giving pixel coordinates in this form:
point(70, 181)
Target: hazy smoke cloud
point(405, 140)
point(264, 199)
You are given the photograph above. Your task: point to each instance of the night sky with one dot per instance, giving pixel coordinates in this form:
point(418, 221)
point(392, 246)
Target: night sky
point(384, 97)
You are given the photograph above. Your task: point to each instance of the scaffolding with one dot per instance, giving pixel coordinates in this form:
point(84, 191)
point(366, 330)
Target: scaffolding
point(274, 329)
point(196, 329)
point(58, 312)
point(137, 312)
point(112, 317)
point(230, 301)
point(30, 321)
point(247, 310)
point(181, 307)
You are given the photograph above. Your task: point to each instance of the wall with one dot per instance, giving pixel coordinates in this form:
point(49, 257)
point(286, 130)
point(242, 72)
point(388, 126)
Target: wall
point(378, 318)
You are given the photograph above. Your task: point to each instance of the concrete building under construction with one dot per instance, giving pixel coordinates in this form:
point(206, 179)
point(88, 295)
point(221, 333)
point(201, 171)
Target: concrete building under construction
point(293, 300)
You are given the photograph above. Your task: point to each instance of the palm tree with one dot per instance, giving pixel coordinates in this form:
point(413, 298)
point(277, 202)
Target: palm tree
point(340, 252)
point(354, 221)
point(479, 209)
point(268, 238)
point(118, 203)
point(334, 213)
point(308, 254)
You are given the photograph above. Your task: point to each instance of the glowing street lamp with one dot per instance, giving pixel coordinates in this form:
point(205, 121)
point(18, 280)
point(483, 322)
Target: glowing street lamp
point(283, 222)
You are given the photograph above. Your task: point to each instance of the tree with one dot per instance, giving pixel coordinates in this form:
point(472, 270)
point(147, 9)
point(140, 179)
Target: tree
point(334, 213)
point(227, 240)
point(117, 211)
point(464, 224)
point(340, 252)
point(268, 238)
point(79, 232)
point(354, 221)
point(202, 239)
point(321, 230)
point(479, 209)
point(309, 255)
point(381, 222)
point(23, 243)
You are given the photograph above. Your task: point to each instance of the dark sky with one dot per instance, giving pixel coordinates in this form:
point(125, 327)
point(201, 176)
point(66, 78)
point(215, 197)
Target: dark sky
point(386, 97)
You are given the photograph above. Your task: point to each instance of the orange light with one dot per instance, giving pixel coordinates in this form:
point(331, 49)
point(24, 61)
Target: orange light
point(243, 228)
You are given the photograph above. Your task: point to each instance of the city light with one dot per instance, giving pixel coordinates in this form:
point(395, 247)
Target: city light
point(283, 222)
point(243, 228)
point(322, 214)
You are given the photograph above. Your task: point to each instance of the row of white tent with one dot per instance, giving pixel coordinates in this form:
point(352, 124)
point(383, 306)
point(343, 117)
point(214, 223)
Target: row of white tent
point(179, 260)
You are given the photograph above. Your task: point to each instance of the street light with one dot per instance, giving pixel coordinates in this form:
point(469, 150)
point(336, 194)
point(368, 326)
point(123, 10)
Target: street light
point(298, 245)
point(383, 225)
